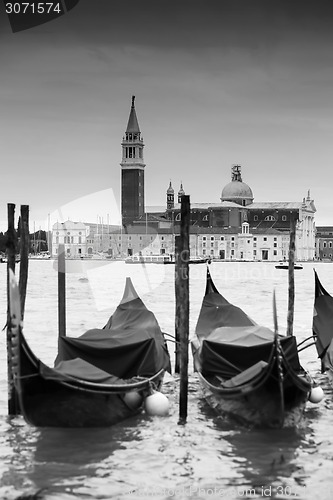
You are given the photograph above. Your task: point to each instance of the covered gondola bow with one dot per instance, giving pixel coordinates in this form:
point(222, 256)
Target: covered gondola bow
point(247, 371)
point(322, 327)
point(99, 378)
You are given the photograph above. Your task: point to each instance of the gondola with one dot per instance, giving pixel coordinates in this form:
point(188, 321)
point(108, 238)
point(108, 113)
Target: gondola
point(285, 265)
point(322, 327)
point(247, 372)
point(99, 378)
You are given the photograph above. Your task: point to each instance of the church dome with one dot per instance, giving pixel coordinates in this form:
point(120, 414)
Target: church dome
point(237, 191)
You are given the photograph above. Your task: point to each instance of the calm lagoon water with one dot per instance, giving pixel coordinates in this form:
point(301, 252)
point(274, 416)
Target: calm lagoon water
point(151, 457)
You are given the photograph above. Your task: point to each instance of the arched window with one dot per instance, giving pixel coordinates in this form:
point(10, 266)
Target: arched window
point(269, 217)
point(205, 217)
point(178, 217)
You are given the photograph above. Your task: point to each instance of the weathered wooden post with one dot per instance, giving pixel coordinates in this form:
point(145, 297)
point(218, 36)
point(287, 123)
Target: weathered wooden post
point(291, 277)
point(11, 250)
point(178, 251)
point(61, 291)
point(24, 254)
point(182, 255)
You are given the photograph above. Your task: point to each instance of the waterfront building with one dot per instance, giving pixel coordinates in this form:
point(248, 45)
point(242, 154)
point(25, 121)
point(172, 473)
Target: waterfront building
point(234, 228)
point(270, 220)
point(73, 235)
point(324, 243)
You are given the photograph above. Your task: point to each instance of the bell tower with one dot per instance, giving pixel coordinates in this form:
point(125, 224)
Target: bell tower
point(170, 197)
point(132, 171)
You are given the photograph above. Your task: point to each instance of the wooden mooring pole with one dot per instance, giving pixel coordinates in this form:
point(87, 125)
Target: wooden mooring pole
point(11, 251)
point(291, 277)
point(182, 255)
point(24, 254)
point(61, 291)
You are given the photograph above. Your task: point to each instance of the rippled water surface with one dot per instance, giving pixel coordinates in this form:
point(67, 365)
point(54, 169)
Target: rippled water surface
point(151, 457)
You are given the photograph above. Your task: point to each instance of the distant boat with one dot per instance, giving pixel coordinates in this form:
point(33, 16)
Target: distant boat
point(40, 256)
point(285, 265)
point(193, 260)
point(4, 259)
point(148, 259)
point(162, 259)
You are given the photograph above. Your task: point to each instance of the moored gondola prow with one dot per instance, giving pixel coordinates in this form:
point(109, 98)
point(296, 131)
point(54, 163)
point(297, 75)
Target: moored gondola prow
point(322, 326)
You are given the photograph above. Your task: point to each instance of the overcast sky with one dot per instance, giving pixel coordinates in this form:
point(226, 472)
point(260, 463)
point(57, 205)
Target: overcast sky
point(216, 83)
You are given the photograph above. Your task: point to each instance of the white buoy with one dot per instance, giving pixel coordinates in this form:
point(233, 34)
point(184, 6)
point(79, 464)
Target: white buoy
point(157, 404)
point(133, 399)
point(316, 394)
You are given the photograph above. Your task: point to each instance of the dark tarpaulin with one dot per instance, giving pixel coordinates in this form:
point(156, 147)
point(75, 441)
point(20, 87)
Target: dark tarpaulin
point(79, 369)
point(216, 311)
point(228, 359)
point(231, 341)
point(322, 325)
point(131, 343)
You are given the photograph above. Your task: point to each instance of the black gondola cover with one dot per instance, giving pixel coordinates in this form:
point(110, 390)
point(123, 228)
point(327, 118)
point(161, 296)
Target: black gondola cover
point(131, 343)
point(231, 341)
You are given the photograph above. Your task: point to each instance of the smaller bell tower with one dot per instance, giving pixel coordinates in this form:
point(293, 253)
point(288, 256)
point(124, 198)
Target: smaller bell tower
point(170, 197)
point(181, 192)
